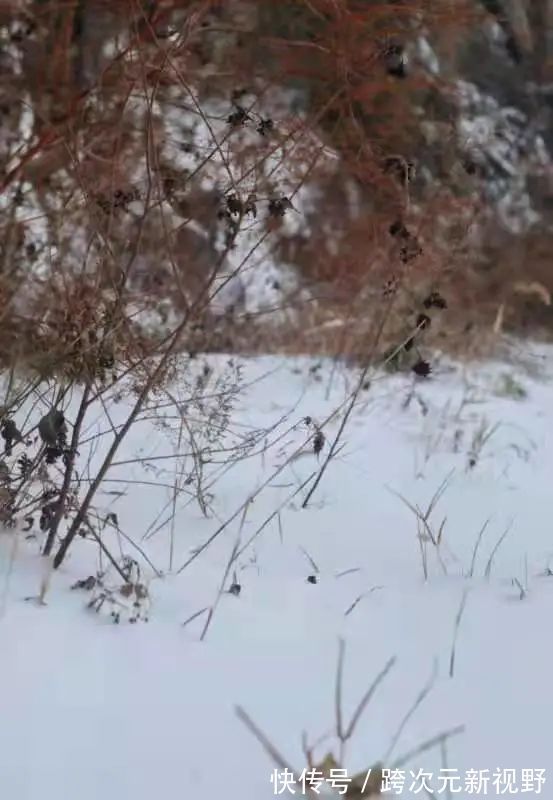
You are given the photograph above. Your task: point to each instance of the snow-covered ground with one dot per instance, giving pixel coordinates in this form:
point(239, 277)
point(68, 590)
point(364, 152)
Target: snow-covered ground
point(99, 711)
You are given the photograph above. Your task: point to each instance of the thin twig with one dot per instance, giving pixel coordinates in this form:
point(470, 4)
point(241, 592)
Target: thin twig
point(488, 570)
point(194, 616)
point(268, 746)
point(368, 696)
point(423, 694)
point(428, 744)
point(476, 546)
point(456, 632)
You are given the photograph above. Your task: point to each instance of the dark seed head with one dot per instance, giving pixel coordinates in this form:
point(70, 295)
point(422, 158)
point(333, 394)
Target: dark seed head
point(238, 117)
point(423, 321)
point(234, 204)
point(390, 287)
point(265, 126)
point(278, 207)
point(422, 368)
point(312, 579)
point(435, 300)
point(395, 60)
point(318, 442)
point(410, 251)
point(469, 166)
point(397, 70)
point(397, 228)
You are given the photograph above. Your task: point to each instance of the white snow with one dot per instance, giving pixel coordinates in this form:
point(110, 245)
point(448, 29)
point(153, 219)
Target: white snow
point(427, 55)
point(98, 711)
point(507, 145)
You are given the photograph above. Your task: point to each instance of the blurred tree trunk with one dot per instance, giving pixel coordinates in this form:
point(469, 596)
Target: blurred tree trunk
point(517, 13)
point(541, 16)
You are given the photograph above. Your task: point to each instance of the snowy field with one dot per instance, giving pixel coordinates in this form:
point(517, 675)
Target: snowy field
point(461, 597)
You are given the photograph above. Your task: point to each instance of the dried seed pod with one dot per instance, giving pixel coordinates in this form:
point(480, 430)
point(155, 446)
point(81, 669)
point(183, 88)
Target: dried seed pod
point(394, 60)
point(423, 321)
point(398, 229)
point(52, 428)
point(422, 368)
point(10, 434)
point(234, 204)
point(279, 206)
point(265, 126)
point(86, 583)
point(434, 300)
point(390, 286)
point(318, 442)
point(238, 117)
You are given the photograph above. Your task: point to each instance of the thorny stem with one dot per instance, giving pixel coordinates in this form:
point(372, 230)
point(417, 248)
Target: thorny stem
point(83, 509)
point(54, 525)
